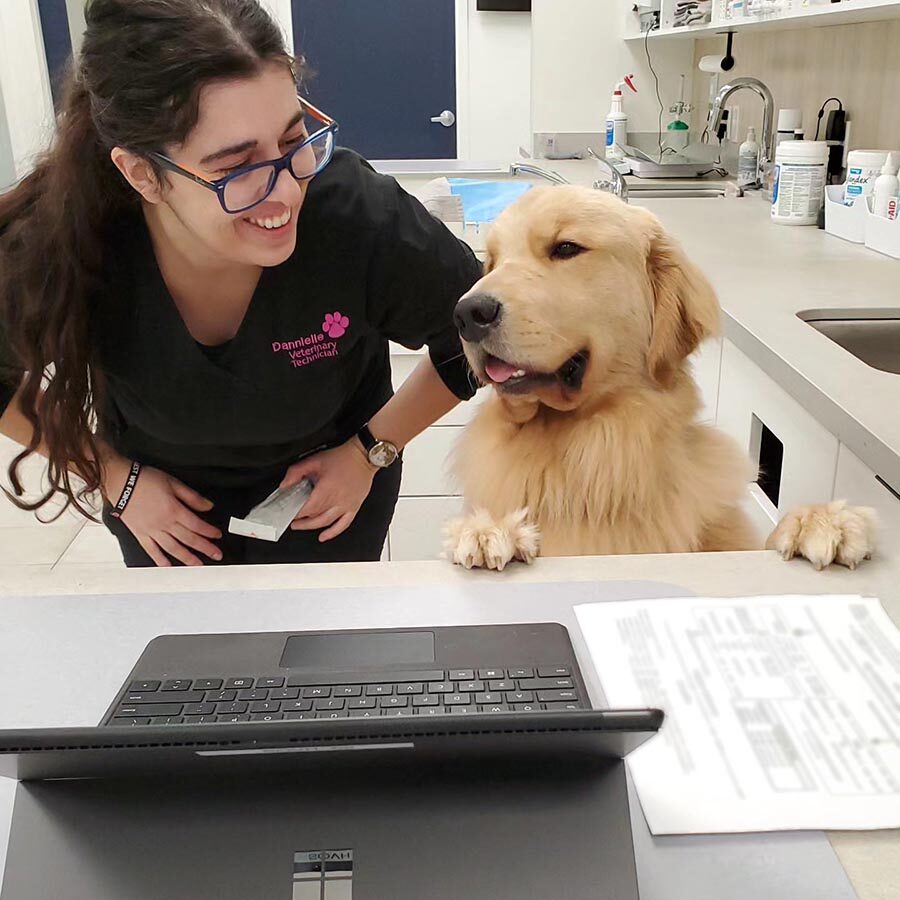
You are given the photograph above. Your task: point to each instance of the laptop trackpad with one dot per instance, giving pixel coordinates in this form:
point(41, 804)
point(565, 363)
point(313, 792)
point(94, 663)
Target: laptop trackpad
point(354, 650)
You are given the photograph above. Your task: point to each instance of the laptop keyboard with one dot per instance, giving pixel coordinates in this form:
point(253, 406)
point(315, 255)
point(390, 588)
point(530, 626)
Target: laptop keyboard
point(432, 692)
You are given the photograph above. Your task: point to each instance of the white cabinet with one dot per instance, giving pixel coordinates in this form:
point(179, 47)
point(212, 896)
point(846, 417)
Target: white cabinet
point(416, 531)
point(402, 365)
point(751, 405)
point(856, 483)
point(426, 464)
point(705, 363)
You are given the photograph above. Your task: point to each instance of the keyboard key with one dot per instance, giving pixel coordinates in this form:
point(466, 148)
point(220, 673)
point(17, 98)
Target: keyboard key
point(163, 697)
point(463, 710)
point(315, 692)
point(470, 686)
point(553, 696)
point(362, 678)
point(526, 707)
point(230, 709)
point(489, 697)
point(522, 672)
point(334, 714)
point(220, 696)
point(332, 704)
point(427, 700)
point(397, 712)
point(519, 697)
point(457, 699)
point(557, 707)
point(144, 686)
point(266, 717)
point(177, 684)
point(286, 694)
point(199, 709)
point(411, 687)
point(485, 674)
point(364, 713)
point(347, 690)
point(166, 720)
point(429, 711)
point(296, 705)
point(207, 684)
point(553, 672)
point(362, 703)
point(143, 720)
point(441, 687)
point(501, 685)
point(265, 706)
point(294, 716)
point(271, 682)
point(242, 682)
point(379, 690)
point(494, 708)
point(131, 710)
point(461, 674)
point(545, 684)
point(393, 702)
point(199, 720)
point(233, 719)
point(255, 694)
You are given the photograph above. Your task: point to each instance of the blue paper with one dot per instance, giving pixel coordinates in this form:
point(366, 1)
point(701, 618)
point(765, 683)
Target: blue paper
point(483, 201)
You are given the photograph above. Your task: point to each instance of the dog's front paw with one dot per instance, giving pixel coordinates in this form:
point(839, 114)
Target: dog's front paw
point(481, 541)
point(826, 533)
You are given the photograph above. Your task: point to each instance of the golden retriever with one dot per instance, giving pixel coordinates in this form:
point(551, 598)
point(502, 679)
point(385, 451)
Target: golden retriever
point(582, 325)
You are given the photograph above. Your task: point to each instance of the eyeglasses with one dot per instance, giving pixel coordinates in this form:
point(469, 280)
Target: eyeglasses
point(249, 186)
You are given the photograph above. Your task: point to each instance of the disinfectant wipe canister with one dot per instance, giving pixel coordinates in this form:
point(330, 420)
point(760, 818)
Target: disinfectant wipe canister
point(799, 185)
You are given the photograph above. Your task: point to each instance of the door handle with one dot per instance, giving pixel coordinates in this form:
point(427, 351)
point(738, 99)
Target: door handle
point(446, 118)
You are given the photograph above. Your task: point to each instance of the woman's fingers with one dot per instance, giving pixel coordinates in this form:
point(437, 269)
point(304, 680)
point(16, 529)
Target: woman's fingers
point(177, 550)
point(322, 520)
point(307, 468)
point(339, 527)
point(151, 548)
point(192, 539)
point(190, 496)
point(194, 523)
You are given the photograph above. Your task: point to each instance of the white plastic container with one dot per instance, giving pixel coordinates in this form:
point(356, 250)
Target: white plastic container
point(882, 234)
point(863, 167)
point(886, 186)
point(789, 120)
point(617, 122)
point(799, 182)
point(843, 220)
point(748, 160)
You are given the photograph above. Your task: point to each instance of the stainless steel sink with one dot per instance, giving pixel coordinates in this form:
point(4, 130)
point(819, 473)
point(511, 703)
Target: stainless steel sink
point(871, 335)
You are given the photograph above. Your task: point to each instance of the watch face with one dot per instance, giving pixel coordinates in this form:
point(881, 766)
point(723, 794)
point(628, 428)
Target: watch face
point(383, 454)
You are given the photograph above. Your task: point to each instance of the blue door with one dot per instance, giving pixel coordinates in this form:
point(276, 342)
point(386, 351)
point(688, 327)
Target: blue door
point(384, 69)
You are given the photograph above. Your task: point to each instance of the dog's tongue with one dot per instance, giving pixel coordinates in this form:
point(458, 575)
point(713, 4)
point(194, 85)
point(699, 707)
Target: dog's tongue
point(499, 371)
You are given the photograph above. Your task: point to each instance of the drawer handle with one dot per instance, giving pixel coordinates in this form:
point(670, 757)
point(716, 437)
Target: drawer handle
point(884, 484)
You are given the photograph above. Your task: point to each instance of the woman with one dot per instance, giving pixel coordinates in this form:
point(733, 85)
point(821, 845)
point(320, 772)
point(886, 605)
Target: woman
point(215, 286)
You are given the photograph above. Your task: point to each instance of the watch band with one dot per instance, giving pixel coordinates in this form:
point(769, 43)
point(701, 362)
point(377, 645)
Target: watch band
point(366, 438)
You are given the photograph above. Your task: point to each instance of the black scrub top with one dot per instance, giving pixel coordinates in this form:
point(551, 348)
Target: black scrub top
point(309, 364)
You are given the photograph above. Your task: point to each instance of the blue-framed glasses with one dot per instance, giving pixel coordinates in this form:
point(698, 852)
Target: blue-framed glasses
point(251, 185)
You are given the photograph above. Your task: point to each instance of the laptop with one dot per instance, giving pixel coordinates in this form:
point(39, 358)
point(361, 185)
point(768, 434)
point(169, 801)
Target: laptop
point(388, 764)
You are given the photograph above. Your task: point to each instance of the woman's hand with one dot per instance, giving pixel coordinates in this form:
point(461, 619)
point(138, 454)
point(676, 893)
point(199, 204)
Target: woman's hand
point(343, 478)
point(160, 515)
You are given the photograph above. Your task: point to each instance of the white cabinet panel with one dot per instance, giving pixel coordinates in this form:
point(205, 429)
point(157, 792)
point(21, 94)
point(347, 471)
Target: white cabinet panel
point(748, 398)
point(705, 363)
point(402, 365)
point(856, 483)
point(426, 463)
point(417, 526)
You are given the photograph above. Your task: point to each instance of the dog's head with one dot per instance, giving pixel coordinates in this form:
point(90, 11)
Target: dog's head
point(582, 296)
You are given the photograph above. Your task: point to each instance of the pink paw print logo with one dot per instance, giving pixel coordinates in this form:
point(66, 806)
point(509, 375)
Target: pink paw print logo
point(335, 324)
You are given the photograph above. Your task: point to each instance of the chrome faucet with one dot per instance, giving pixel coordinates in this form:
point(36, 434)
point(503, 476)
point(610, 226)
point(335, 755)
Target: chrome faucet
point(767, 149)
point(615, 184)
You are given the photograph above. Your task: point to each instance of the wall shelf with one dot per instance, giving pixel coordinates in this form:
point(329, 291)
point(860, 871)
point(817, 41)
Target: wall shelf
point(845, 13)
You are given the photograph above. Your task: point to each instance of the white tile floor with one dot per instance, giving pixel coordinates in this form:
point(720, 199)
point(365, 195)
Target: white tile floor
point(71, 540)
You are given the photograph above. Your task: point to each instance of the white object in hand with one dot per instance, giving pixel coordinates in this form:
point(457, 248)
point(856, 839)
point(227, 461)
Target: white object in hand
point(269, 520)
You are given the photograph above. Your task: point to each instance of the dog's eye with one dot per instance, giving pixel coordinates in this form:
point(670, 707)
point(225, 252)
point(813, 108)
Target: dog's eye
point(566, 250)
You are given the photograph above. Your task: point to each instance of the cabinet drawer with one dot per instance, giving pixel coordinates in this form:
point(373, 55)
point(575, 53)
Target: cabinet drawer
point(856, 483)
point(416, 531)
point(754, 410)
point(402, 366)
point(426, 463)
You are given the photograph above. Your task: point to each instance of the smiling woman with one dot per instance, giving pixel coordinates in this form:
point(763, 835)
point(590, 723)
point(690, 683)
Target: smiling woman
point(214, 285)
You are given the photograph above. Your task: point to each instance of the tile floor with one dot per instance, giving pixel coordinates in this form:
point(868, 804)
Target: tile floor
point(71, 540)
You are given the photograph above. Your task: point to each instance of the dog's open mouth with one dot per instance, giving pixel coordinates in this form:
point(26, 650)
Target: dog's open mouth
point(515, 379)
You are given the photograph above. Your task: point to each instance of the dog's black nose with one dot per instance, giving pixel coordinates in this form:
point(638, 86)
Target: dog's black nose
point(475, 316)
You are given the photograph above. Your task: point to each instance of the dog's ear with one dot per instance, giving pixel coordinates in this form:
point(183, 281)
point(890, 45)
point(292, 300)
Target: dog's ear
point(685, 307)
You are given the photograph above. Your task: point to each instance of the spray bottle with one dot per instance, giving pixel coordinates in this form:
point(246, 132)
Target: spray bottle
point(617, 121)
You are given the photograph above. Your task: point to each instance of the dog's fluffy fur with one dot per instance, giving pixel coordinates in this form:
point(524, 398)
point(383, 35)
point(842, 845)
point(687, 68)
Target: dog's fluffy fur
point(596, 449)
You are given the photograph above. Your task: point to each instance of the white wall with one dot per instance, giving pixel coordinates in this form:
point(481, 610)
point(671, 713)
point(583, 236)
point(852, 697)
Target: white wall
point(7, 165)
point(495, 84)
point(578, 56)
point(24, 80)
